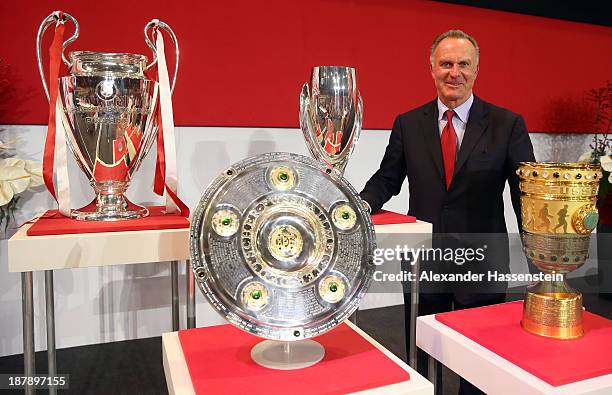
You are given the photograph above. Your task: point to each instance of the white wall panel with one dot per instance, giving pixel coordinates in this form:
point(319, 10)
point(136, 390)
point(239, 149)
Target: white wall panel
point(116, 303)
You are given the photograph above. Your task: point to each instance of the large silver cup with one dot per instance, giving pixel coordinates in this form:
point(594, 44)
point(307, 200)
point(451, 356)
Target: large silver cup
point(108, 112)
point(331, 115)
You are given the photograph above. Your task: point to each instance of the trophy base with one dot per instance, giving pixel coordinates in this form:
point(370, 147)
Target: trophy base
point(282, 355)
point(93, 212)
point(555, 315)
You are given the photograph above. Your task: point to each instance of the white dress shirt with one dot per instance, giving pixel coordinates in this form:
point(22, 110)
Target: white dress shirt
point(460, 119)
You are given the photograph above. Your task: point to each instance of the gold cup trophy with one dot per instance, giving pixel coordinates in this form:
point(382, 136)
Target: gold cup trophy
point(558, 203)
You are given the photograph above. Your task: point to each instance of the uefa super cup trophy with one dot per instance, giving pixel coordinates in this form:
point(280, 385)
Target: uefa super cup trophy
point(331, 115)
point(108, 109)
point(558, 214)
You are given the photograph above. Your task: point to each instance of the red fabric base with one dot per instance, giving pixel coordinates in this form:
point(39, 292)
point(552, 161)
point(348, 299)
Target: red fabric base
point(556, 362)
point(52, 224)
point(219, 362)
point(384, 217)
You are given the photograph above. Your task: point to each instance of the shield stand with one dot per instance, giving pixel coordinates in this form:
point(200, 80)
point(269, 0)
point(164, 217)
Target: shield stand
point(284, 355)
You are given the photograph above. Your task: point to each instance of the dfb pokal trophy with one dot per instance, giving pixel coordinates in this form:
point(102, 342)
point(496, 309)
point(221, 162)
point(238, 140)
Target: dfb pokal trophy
point(558, 204)
point(331, 115)
point(108, 109)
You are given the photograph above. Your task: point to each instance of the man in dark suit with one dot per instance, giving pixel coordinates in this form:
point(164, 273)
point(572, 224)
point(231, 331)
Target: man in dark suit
point(457, 151)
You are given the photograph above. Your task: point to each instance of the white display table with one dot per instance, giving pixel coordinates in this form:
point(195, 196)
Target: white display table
point(387, 236)
point(488, 371)
point(28, 254)
point(179, 380)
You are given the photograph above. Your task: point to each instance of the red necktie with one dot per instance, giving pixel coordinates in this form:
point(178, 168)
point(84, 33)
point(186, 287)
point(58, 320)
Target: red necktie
point(448, 139)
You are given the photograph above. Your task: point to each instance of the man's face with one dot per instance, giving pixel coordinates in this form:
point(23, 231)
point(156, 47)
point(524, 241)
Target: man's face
point(454, 70)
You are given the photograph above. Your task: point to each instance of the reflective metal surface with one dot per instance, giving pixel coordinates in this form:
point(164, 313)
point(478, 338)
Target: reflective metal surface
point(27, 319)
point(281, 248)
point(108, 111)
point(558, 214)
point(54, 17)
point(109, 116)
point(331, 115)
point(190, 285)
point(50, 321)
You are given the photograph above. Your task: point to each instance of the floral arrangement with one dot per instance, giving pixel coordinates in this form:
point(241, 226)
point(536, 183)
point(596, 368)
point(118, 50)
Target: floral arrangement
point(16, 175)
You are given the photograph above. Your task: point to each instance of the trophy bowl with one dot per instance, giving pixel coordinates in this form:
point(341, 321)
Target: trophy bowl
point(558, 214)
point(282, 248)
point(331, 116)
point(108, 112)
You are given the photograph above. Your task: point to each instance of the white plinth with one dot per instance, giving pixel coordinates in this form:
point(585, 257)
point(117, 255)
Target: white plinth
point(488, 371)
point(33, 253)
point(387, 237)
point(179, 380)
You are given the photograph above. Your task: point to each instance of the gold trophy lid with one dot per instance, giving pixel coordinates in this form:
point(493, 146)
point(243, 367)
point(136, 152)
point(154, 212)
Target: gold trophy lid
point(559, 172)
point(86, 63)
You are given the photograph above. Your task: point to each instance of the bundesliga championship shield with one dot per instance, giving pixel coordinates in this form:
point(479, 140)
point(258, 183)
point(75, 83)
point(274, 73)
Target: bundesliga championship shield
point(282, 247)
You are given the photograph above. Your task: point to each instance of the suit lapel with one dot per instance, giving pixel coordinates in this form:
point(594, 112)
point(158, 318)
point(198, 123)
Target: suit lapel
point(477, 123)
point(431, 133)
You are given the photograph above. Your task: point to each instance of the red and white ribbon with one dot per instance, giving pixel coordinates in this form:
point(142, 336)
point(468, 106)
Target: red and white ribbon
point(61, 162)
point(167, 124)
point(54, 158)
point(166, 176)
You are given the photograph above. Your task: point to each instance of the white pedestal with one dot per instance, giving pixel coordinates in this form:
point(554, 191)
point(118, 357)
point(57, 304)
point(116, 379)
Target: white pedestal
point(179, 380)
point(28, 254)
point(488, 371)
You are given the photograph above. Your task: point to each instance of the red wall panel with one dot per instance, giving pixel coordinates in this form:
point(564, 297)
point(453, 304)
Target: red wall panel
point(243, 63)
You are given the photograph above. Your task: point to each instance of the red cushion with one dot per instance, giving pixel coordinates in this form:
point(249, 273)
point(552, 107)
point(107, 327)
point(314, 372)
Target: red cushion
point(556, 362)
point(219, 362)
point(52, 224)
point(384, 217)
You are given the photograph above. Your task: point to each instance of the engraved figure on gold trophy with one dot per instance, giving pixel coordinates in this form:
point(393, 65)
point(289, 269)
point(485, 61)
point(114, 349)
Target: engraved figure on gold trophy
point(108, 109)
point(552, 308)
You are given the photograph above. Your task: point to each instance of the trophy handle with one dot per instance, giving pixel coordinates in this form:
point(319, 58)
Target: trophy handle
point(54, 17)
point(154, 25)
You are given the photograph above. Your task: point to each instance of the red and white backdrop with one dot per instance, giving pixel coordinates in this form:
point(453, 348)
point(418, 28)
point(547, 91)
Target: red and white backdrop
point(242, 67)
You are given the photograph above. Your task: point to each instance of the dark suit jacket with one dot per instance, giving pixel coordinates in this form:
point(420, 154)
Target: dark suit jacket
point(494, 143)
point(471, 213)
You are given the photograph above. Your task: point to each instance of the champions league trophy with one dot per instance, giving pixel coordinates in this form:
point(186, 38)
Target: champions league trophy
point(558, 214)
point(108, 109)
point(331, 116)
point(281, 245)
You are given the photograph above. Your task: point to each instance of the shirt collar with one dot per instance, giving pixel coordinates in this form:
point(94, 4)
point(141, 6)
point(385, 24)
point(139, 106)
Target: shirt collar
point(463, 111)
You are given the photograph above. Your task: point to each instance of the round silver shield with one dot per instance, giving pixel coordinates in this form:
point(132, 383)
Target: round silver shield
point(282, 248)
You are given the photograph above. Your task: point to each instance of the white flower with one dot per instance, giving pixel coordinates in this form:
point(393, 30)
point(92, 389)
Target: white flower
point(17, 175)
point(606, 162)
